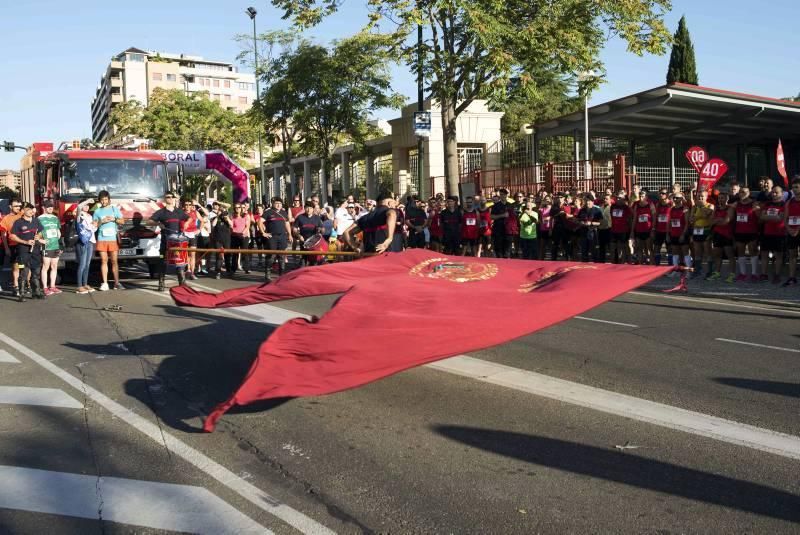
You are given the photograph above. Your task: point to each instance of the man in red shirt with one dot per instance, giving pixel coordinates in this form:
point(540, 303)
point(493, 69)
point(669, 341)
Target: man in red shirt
point(470, 228)
point(773, 236)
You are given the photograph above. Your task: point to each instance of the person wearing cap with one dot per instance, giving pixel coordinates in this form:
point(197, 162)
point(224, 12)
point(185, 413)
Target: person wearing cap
point(274, 225)
point(51, 231)
point(500, 241)
point(344, 218)
point(168, 219)
point(379, 227)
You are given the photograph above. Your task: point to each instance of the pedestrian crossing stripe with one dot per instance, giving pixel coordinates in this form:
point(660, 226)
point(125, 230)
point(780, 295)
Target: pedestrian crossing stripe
point(44, 397)
point(5, 356)
point(164, 506)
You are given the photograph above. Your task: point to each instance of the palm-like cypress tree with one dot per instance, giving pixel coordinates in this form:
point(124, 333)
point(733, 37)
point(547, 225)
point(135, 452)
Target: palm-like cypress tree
point(682, 66)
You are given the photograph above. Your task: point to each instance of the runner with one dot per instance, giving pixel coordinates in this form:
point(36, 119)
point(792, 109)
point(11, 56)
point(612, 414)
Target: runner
point(51, 232)
point(661, 227)
point(590, 218)
point(451, 227)
point(499, 215)
point(745, 233)
point(773, 236)
point(722, 240)
point(9, 246)
point(274, 225)
point(621, 215)
point(240, 238)
point(700, 221)
point(644, 215)
point(435, 225)
point(190, 228)
point(108, 217)
point(679, 232)
point(485, 244)
point(470, 228)
point(545, 226)
point(604, 231)
point(792, 220)
point(27, 234)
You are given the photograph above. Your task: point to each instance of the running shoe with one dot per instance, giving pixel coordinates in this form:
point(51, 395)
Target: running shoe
point(791, 281)
point(83, 291)
point(104, 287)
point(55, 290)
point(48, 292)
point(730, 279)
point(191, 276)
point(118, 286)
point(714, 276)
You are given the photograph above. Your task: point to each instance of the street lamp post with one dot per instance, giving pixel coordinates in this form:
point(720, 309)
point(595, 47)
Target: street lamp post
point(586, 76)
point(251, 12)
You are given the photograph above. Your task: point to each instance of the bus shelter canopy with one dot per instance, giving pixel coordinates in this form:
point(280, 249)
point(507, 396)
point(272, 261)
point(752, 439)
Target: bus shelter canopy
point(684, 113)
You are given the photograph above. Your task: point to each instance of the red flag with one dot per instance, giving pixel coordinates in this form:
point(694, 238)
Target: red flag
point(445, 305)
point(781, 163)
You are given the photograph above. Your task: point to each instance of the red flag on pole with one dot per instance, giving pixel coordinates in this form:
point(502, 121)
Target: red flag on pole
point(781, 163)
point(407, 310)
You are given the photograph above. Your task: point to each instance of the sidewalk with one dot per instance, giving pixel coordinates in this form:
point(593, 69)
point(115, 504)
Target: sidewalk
point(758, 292)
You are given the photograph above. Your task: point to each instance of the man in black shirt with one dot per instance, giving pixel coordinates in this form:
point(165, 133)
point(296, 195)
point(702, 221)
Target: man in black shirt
point(499, 213)
point(415, 222)
point(26, 232)
point(451, 227)
point(168, 220)
point(379, 227)
point(589, 217)
point(307, 225)
point(274, 226)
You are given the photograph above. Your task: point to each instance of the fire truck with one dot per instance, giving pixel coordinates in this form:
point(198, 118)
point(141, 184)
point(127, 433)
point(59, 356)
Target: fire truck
point(68, 175)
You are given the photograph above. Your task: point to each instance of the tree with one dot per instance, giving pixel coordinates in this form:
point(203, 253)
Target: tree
point(473, 49)
point(548, 96)
point(318, 97)
point(8, 193)
point(682, 67)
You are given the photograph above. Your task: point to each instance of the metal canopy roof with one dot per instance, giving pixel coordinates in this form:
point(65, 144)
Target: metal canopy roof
point(684, 112)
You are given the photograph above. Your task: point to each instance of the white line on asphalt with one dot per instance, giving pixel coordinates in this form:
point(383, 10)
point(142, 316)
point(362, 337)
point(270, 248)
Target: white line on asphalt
point(248, 491)
point(162, 506)
point(618, 404)
point(605, 321)
point(44, 397)
point(715, 302)
point(757, 345)
point(5, 356)
point(622, 405)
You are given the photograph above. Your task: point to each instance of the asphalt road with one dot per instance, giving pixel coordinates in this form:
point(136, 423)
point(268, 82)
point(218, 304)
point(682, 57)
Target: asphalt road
point(642, 422)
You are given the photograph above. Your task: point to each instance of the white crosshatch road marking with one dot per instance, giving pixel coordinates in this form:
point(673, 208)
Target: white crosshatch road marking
point(45, 397)
point(149, 504)
point(5, 356)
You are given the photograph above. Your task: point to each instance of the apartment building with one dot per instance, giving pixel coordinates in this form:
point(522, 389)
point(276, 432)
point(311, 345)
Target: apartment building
point(9, 179)
point(134, 73)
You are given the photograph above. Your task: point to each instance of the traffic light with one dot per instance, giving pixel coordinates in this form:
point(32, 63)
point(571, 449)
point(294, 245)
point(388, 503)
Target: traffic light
point(8, 146)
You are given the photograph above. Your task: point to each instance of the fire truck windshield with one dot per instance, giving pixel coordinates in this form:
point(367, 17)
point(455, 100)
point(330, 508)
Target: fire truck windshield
point(121, 178)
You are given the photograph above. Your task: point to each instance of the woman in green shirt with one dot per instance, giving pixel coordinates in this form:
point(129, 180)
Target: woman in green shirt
point(51, 232)
point(528, 220)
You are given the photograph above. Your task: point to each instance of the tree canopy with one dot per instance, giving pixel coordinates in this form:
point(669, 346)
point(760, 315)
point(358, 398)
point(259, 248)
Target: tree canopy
point(682, 66)
point(474, 49)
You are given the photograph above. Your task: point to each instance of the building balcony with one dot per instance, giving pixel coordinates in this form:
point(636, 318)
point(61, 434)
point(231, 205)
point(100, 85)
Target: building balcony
point(115, 81)
point(116, 98)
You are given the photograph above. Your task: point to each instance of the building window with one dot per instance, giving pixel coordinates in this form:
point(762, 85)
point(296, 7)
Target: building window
point(136, 57)
point(216, 96)
point(227, 98)
point(245, 85)
point(242, 100)
point(170, 77)
point(227, 84)
point(157, 76)
point(216, 83)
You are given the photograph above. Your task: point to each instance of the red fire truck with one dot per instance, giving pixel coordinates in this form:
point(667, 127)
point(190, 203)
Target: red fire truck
point(136, 180)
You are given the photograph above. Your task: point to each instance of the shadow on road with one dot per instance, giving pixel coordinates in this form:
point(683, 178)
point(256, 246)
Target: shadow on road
point(194, 368)
point(771, 387)
point(630, 469)
point(720, 310)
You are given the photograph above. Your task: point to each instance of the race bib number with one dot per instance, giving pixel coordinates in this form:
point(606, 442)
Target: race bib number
point(471, 222)
point(676, 223)
point(616, 213)
point(108, 232)
point(741, 218)
point(51, 233)
point(644, 218)
point(772, 211)
point(662, 218)
point(794, 221)
point(699, 231)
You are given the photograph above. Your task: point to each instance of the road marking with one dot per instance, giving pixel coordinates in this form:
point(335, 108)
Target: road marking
point(715, 302)
point(44, 397)
point(606, 321)
point(618, 404)
point(621, 405)
point(757, 345)
point(204, 463)
point(5, 356)
point(149, 504)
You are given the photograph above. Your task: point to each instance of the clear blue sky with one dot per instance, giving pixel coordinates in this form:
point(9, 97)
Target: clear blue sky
point(54, 52)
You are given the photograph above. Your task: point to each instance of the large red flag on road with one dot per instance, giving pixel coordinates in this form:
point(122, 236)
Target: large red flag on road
point(780, 160)
point(447, 305)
